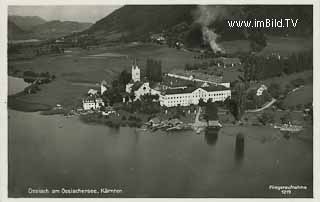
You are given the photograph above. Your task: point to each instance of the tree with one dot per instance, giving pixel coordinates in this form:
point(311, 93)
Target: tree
point(297, 82)
point(124, 77)
point(275, 90)
point(285, 118)
point(202, 103)
point(239, 101)
point(211, 111)
point(257, 41)
point(266, 118)
point(154, 70)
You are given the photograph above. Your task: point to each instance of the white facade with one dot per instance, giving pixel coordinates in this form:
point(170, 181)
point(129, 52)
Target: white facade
point(92, 92)
point(186, 99)
point(89, 103)
point(129, 87)
point(135, 73)
point(142, 90)
point(261, 89)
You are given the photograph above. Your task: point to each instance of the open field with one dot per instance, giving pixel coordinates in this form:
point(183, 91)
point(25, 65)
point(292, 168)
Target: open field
point(286, 79)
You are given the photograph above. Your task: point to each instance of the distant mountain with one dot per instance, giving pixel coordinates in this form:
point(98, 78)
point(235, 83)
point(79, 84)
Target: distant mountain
point(33, 27)
point(136, 22)
point(26, 22)
point(56, 28)
point(15, 32)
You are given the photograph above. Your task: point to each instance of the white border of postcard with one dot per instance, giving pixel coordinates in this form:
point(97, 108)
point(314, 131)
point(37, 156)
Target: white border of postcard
point(3, 87)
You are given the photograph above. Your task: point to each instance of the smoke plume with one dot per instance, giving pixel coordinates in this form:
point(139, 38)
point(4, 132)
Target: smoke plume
point(205, 16)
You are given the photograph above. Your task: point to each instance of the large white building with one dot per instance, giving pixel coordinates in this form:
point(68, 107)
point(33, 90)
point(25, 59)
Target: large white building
point(178, 96)
point(191, 95)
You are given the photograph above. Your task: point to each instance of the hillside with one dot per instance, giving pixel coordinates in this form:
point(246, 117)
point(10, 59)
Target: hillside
point(136, 22)
point(15, 32)
point(56, 28)
point(26, 22)
point(37, 28)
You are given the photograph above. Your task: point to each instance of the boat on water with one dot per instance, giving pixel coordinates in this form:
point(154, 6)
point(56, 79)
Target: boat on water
point(289, 128)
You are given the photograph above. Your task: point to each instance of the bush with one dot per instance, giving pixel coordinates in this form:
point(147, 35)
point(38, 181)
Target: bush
point(297, 82)
point(266, 118)
point(274, 90)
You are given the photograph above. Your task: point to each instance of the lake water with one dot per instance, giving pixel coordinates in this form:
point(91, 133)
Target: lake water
point(55, 152)
point(16, 85)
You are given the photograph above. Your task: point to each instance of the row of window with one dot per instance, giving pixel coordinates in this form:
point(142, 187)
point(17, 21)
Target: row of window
point(195, 96)
point(184, 101)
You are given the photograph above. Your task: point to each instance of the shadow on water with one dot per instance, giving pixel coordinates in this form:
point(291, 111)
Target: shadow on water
point(239, 148)
point(211, 136)
point(286, 134)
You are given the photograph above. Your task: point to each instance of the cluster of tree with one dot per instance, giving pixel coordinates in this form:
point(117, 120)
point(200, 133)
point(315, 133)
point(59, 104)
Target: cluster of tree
point(286, 118)
point(237, 103)
point(207, 54)
point(34, 88)
point(253, 101)
point(266, 117)
point(114, 94)
point(12, 49)
point(177, 112)
point(257, 41)
point(52, 49)
point(118, 86)
point(211, 111)
point(43, 77)
point(176, 34)
point(275, 90)
point(154, 70)
point(147, 104)
point(259, 67)
point(204, 67)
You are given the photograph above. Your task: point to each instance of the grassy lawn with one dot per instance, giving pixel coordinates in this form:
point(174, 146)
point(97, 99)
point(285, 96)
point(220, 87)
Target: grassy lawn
point(285, 79)
point(303, 96)
point(56, 92)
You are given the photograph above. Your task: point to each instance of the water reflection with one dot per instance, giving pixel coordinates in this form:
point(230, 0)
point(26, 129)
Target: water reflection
point(286, 134)
point(211, 136)
point(239, 147)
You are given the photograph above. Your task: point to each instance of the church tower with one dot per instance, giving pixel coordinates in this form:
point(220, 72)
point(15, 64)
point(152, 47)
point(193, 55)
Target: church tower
point(103, 87)
point(135, 71)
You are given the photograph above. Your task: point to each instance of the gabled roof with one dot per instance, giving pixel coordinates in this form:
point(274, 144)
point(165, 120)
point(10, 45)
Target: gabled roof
point(137, 85)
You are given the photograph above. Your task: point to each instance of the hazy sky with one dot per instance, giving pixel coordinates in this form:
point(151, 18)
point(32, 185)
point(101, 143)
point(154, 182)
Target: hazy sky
point(64, 13)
